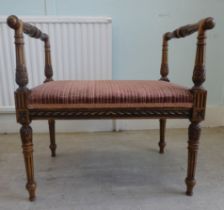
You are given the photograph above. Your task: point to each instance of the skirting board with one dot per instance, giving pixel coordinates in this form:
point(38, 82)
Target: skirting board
point(214, 118)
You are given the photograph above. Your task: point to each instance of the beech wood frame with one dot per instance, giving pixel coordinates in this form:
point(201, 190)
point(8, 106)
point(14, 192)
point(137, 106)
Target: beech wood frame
point(26, 114)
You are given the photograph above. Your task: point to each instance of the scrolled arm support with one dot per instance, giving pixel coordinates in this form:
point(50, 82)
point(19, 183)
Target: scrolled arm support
point(21, 71)
point(15, 23)
point(204, 24)
point(199, 73)
point(34, 32)
point(200, 27)
point(21, 27)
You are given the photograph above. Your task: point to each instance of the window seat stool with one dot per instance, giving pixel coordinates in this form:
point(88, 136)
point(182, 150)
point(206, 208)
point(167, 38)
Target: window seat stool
point(109, 99)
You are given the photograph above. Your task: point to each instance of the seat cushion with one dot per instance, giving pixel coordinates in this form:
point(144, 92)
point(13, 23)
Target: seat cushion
point(109, 93)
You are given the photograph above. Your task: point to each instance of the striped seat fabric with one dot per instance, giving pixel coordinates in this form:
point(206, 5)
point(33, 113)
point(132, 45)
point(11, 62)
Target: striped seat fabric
point(110, 93)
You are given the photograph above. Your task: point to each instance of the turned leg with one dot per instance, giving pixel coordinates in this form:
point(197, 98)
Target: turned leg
point(194, 131)
point(162, 143)
point(27, 145)
point(53, 145)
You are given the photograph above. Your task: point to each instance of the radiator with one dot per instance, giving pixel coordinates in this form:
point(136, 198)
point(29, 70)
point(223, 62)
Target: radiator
point(81, 50)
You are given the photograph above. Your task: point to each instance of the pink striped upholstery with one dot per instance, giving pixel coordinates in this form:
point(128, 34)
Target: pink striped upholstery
point(110, 93)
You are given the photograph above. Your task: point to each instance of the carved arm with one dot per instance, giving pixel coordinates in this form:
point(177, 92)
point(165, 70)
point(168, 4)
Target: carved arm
point(201, 27)
point(20, 27)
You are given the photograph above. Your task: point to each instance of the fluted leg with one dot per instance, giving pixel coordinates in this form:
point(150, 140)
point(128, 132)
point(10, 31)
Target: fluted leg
point(194, 132)
point(53, 145)
point(162, 143)
point(27, 145)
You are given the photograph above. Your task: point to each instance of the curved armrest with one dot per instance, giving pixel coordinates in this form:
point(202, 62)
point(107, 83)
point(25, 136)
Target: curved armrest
point(205, 24)
point(15, 23)
point(21, 27)
point(200, 27)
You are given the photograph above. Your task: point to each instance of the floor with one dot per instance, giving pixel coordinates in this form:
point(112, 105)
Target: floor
point(117, 170)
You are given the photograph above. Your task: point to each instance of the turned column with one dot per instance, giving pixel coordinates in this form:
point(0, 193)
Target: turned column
point(198, 92)
point(27, 145)
point(48, 65)
point(162, 142)
point(21, 101)
point(194, 132)
point(199, 104)
point(53, 146)
point(49, 77)
point(164, 71)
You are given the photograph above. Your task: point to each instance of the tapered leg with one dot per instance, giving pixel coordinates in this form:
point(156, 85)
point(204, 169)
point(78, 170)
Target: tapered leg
point(53, 145)
point(27, 145)
point(162, 143)
point(194, 132)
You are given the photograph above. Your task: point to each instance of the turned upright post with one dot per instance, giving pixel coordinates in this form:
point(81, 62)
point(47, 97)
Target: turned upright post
point(21, 98)
point(48, 65)
point(198, 92)
point(164, 69)
point(199, 103)
point(22, 93)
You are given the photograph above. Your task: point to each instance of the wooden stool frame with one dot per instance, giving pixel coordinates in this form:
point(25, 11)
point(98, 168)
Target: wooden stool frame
point(25, 115)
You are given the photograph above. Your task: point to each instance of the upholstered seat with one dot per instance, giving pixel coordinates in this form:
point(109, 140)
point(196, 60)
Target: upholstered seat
point(110, 93)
